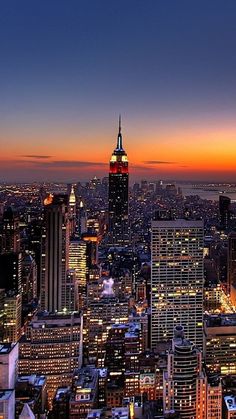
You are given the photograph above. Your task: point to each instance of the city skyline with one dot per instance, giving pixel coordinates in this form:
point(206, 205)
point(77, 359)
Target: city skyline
point(67, 72)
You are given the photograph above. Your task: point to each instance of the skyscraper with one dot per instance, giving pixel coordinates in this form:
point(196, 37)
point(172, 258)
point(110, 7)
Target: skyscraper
point(119, 195)
point(184, 382)
point(231, 283)
point(224, 210)
point(55, 252)
point(177, 279)
point(10, 232)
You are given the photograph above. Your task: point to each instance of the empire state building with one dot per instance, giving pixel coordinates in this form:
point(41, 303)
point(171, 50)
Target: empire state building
point(119, 195)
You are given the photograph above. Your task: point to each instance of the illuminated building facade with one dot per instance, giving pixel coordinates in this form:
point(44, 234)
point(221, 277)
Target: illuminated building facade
point(99, 317)
point(220, 348)
point(52, 346)
point(10, 232)
point(184, 381)
point(177, 279)
point(214, 398)
point(84, 396)
point(119, 195)
point(72, 212)
point(12, 318)
point(78, 261)
point(54, 256)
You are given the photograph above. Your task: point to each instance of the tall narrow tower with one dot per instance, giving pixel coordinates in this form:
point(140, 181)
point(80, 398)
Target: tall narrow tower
point(119, 195)
point(54, 256)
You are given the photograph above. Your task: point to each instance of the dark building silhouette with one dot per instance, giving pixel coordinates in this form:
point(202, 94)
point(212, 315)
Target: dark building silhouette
point(11, 272)
point(10, 232)
point(119, 195)
point(224, 210)
point(231, 283)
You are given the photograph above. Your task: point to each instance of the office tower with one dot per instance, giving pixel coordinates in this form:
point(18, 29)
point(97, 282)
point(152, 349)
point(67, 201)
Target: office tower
point(231, 283)
point(52, 346)
point(177, 279)
point(34, 245)
point(99, 317)
point(55, 252)
point(2, 316)
point(9, 353)
point(72, 212)
point(78, 261)
point(82, 218)
point(224, 211)
point(119, 195)
point(12, 318)
point(220, 338)
point(115, 350)
point(70, 290)
point(214, 398)
point(29, 279)
point(10, 232)
point(184, 381)
point(82, 259)
point(11, 272)
point(92, 248)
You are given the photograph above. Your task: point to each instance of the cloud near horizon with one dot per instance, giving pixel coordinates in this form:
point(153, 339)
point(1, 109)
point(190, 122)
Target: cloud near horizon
point(159, 162)
point(36, 156)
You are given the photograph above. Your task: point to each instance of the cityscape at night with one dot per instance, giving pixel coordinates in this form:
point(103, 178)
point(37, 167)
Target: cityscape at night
point(118, 210)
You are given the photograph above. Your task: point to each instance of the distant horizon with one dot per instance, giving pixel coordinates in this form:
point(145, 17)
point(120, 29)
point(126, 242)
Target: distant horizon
point(165, 181)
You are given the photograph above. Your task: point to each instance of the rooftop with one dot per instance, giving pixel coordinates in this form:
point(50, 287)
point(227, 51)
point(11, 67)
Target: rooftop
point(5, 394)
point(221, 320)
point(230, 402)
point(6, 348)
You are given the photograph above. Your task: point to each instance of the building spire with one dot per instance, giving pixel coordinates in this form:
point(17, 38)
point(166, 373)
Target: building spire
point(119, 138)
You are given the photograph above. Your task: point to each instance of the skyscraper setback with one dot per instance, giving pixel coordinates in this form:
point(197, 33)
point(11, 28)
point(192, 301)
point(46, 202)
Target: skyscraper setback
point(119, 194)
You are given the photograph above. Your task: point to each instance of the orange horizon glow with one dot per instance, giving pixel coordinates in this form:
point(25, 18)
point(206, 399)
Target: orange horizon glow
point(175, 152)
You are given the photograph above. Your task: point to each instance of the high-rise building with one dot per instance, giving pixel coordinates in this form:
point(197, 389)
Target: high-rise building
point(29, 279)
point(52, 346)
point(177, 279)
point(119, 195)
point(9, 353)
point(99, 317)
point(220, 338)
point(224, 210)
point(11, 272)
point(231, 283)
point(78, 261)
point(72, 212)
point(10, 232)
point(55, 253)
point(214, 398)
point(12, 318)
point(184, 381)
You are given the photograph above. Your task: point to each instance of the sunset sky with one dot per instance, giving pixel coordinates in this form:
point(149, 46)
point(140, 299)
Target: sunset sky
point(68, 68)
